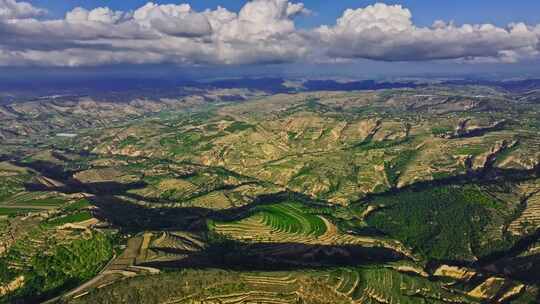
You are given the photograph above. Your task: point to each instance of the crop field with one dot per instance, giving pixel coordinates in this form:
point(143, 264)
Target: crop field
point(529, 219)
point(376, 285)
point(289, 218)
point(220, 287)
point(292, 223)
point(275, 221)
point(35, 201)
point(16, 211)
point(71, 218)
point(344, 285)
point(78, 205)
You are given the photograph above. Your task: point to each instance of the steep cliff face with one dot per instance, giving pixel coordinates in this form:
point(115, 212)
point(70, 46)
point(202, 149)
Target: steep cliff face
point(487, 160)
point(467, 129)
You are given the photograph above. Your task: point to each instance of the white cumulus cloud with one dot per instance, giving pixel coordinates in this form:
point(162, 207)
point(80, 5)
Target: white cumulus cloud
point(263, 31)
point(11, 9)
point(386, 32)
point(174, 20)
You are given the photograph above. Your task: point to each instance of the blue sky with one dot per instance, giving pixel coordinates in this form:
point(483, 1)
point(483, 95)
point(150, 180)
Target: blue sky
point(500, 12)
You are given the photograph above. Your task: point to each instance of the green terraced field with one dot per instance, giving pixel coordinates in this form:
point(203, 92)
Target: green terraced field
point(292, 218)
point(379, 284)
point(71, 218)
point(15, 211)
point(81, 204)
point(49, 202)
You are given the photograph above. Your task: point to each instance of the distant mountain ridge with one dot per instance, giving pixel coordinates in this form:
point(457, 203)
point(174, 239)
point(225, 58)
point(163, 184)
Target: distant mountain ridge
point(126, 89)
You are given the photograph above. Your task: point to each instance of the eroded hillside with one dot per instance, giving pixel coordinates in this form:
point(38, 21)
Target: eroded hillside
point(390, 196)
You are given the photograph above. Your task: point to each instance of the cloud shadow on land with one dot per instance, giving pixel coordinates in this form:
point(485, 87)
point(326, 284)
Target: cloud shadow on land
point(235, 255)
